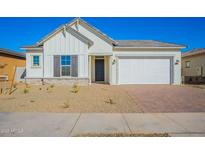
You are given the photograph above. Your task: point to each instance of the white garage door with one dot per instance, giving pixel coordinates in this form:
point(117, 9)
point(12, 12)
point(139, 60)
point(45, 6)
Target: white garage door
point(144, 71)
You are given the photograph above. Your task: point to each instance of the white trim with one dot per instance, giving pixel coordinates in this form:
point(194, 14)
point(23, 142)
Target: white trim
point(101, 54)
point(140, 54)
point(32, 48)
point(65, 65)
point(70, 54)
point(90, 69)
point(62, 77)
point(35, 66)
point(101, 58)
point(171, 65)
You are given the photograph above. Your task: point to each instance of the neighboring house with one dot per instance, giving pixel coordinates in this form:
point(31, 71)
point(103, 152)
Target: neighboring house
point(78, 52)
point(8, 61)
point(193, 66)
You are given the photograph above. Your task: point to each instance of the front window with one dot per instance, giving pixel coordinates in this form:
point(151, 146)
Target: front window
point(36, 61)
point(65, 65)
point(188, 64)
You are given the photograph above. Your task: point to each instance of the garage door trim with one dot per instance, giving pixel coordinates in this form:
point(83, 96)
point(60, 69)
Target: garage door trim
point(171, 58)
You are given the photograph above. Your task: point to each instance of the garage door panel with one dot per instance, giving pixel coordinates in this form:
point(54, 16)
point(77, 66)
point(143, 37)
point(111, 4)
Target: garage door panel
point(129, 68)
point(144, 71)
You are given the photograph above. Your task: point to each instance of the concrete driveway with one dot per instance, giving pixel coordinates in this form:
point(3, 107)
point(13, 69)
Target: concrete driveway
point(166, 98)
point(73, 124)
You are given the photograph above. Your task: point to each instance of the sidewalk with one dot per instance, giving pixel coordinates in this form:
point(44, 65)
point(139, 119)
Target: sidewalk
point(72, 124)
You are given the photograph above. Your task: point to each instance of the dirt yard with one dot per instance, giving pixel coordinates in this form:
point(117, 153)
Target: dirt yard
point(52, 98)
point(104, 98)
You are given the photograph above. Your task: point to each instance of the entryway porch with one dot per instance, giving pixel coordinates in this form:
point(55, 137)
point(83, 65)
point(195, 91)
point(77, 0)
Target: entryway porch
point(99, 71)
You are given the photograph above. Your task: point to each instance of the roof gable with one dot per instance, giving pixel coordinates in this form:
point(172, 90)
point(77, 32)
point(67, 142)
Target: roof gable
point(68, 27)
point(94, 30)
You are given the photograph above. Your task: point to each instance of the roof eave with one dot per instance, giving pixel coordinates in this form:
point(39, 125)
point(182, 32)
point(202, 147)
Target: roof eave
point(13, 54)
point(180, 47)
point(194, 54)
point(54, 32)
point(31, 48)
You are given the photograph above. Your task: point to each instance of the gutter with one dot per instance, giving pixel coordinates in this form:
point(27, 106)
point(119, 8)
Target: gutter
point(181, 47)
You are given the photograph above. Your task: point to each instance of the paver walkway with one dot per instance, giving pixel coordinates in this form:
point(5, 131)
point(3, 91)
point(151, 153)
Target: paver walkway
point(73, 124)
point(166, 98)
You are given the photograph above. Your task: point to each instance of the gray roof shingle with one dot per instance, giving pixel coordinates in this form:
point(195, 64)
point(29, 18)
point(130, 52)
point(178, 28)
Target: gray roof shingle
point(193, 52)
point(145, 43)
point(12, 53)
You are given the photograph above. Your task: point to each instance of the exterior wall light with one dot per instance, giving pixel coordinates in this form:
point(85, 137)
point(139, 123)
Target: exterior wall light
point(177, 62)
point(113, 61)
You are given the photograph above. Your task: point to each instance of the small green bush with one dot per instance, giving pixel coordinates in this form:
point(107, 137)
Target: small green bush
point(75, 88)
point(25, 91)
point(52, 86)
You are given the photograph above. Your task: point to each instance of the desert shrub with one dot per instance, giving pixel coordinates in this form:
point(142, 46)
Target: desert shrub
point(49, 90)
point(66, 104)
point(40, 88)
point(27, 85)
point(25, 91)
point(32, 101)
point(15, 85)
point(110, 101)
point(75, 88)
point(52, 86)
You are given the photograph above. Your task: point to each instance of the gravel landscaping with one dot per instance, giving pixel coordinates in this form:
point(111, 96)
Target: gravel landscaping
point(104, 98)
point(52, 98)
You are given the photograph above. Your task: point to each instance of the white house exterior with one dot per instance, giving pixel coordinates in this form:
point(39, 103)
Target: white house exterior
point(78, 52)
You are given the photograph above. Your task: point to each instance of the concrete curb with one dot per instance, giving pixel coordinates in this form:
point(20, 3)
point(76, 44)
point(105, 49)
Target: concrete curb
point(73, 124)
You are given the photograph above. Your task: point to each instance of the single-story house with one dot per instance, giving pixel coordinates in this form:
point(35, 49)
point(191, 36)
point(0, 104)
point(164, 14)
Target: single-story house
point(78, 52)
point(9, 61)
point(193, 66)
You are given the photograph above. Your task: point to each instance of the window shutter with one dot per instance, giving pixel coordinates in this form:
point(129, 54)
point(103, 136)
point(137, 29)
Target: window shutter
point(74, 65)
point(56, 65)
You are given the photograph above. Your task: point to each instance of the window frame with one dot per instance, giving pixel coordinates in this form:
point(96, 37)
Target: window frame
point(38, 61)
point(65, 65)
point(186, 64)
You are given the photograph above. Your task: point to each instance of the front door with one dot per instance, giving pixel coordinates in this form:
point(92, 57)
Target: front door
point(99, 69)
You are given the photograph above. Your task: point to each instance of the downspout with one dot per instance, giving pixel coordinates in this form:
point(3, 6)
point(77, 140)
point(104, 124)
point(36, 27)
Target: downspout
point(43, 67)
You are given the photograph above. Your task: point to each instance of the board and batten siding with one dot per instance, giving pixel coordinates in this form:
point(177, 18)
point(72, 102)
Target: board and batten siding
point(99, 45)
point(64, 43)
point(34, 72)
